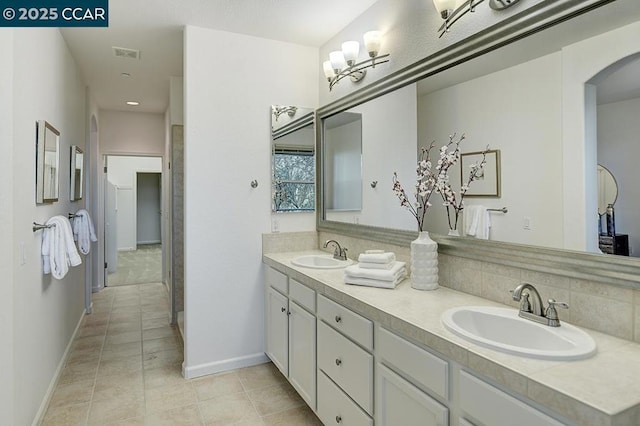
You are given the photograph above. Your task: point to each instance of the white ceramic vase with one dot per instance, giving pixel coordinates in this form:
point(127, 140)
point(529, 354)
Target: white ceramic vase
point(424, 262)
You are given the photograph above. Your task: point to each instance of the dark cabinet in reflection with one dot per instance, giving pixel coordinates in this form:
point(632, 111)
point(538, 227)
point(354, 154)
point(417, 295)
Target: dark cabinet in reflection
point(615, 244)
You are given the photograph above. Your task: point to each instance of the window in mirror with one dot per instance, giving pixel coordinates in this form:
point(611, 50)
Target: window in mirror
point(343, 162)
point(47, 162)
point(293, 173)
point(293, 159)
point(76, 173)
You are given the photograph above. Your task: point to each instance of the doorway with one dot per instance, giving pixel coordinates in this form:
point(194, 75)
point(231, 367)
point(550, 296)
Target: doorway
point(133, 220)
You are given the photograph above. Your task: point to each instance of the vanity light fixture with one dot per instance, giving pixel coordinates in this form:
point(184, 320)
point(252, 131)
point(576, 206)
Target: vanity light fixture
point(448, 11)
point(344, 63)
point(279, 110)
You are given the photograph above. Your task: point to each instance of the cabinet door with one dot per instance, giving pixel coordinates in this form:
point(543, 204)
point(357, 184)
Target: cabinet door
point(278, 329)
point(398, 402)
point(302, 353)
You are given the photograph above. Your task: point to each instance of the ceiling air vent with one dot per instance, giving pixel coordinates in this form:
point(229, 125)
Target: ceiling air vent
point(123, 52)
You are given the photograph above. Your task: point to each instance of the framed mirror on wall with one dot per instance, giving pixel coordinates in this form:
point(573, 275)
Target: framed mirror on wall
point(76, 173)
point(47, 162)
point(547, 171)
point(292, 159)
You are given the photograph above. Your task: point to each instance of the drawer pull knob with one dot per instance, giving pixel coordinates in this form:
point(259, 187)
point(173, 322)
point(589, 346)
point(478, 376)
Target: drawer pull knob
point(338, 419)
point(338, 362)
point(338, 319)
point(282, 309)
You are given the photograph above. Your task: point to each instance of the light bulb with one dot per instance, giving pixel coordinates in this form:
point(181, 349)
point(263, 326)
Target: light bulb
point(350, 50)
point(328, 70)
point(444, 7)
point(372, 42)
point(337, 60)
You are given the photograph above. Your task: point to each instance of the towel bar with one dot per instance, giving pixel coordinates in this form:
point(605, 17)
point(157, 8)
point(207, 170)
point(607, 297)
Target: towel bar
point(38, 226)
point(503, 210)
point(72, 215)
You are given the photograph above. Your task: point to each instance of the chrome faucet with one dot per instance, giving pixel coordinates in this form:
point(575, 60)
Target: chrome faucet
point(339, 253)
point(536, 311)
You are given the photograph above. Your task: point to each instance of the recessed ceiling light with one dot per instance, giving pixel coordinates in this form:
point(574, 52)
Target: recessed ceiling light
point(125, 74)
point(133, 103)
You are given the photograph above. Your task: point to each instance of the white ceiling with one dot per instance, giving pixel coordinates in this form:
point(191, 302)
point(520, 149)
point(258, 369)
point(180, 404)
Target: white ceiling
point(155, 28)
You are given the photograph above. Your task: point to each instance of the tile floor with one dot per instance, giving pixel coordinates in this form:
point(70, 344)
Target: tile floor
point(124, 368)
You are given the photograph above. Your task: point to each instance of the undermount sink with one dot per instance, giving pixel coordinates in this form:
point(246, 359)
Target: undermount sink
point(503, 330)
point(319, 261)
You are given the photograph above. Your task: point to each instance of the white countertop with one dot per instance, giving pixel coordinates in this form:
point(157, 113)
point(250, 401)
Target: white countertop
point(601, 390)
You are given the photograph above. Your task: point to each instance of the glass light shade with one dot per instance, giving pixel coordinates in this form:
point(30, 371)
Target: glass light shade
point(328, 70)
point(444, 7)
point(372, 42)
point(350, 50)
point(337, 60)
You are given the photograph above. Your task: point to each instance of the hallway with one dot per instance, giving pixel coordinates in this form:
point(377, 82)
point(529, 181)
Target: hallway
point(125, 368)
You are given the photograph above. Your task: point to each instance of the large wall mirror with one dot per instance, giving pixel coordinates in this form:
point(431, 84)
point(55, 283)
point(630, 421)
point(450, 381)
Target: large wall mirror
point(47, 162)
point(76, 173)
point(513, 99)
point(292, 159)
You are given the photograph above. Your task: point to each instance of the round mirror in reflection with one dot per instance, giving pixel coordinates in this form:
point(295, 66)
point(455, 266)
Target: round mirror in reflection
point(607, 189)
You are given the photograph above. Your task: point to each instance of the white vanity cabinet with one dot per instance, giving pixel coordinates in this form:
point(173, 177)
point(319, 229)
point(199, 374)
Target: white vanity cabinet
point(291, 332)
point(352, 371)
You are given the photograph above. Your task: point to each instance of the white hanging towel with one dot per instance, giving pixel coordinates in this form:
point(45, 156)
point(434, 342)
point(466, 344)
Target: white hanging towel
point(83, 231)
point(58, 249)
point(477, 222)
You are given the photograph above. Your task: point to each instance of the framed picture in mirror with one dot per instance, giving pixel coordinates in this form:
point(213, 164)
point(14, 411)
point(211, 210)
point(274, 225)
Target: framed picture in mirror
point(487, 181)
point(76, 173)
point(47, 162)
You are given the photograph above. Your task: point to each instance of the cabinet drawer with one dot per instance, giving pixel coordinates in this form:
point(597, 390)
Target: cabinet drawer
point(426, 369)
point(348, 365)
point(303, 295)
point(348, 322)
point(277, 280)
point(491, 406)
point(400, 403)
point(335, 408)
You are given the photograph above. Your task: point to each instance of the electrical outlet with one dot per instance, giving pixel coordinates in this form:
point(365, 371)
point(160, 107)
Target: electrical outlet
point(356, 220)
point(275, 225)
point(526, 223)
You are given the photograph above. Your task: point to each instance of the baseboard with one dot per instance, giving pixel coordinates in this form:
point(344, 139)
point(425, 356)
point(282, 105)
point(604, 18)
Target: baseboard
point(54, 381)
point(127, 248)
point(225, 365)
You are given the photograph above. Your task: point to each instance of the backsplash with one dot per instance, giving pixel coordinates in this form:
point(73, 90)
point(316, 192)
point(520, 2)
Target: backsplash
point(610, 309)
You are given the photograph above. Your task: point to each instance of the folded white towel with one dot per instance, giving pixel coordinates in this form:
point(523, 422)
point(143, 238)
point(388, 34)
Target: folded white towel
point(83, 231)
point(398, 269)
point(477, 221)
point(374, 283)
point(371, 265)
point(377, 257)
point(58, 249)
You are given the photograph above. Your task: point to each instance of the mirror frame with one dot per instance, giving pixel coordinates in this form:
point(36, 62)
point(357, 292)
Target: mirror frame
point(73, 167)
point(44, 130)
point(618, 270)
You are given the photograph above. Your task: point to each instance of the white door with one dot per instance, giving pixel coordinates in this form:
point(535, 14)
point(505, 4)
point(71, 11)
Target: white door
point(278, 330)
point(302, 353)
point(111, 227)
